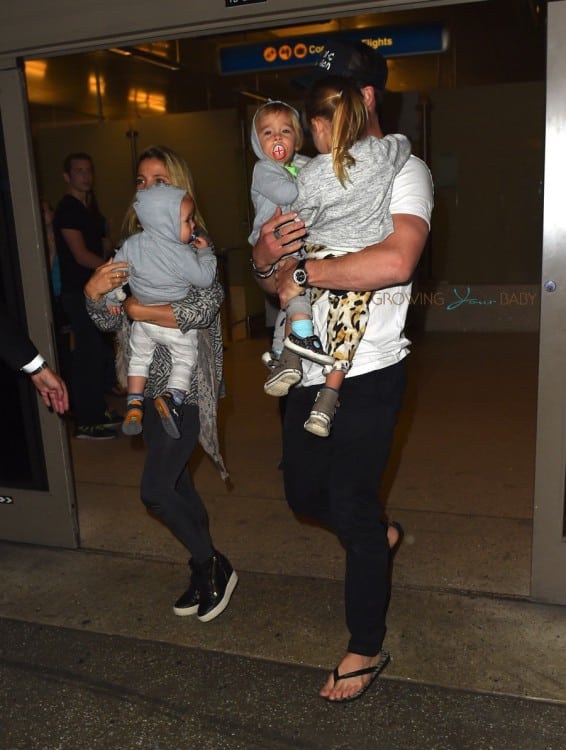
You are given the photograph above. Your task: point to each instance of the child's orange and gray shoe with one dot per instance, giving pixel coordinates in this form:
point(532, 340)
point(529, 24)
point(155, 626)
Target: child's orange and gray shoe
point(170, 413)
point(133, 421)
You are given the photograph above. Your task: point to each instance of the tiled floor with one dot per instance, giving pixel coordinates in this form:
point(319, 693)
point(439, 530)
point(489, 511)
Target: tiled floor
point(460, 478)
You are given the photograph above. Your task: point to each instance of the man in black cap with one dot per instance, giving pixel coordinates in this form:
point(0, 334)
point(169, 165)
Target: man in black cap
point(337, 480)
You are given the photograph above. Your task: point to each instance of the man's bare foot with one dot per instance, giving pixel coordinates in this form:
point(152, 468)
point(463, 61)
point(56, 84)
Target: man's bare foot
point(394, 535)
point(347, 688)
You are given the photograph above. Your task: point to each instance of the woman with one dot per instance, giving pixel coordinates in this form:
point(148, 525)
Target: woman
point(166, 486)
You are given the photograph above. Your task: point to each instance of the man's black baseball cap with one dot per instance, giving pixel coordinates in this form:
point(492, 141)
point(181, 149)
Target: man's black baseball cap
point(350, 59)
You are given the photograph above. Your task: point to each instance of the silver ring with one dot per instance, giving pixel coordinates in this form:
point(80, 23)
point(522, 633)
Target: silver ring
point(277, 233)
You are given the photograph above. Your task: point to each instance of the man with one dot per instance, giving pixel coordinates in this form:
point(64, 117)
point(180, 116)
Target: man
point(337, 480)
point(83, 245)
point(19, 353)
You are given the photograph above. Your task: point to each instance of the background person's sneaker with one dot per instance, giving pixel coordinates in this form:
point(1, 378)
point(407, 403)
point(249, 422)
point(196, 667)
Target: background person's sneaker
point(112, 418)
point(95, 432)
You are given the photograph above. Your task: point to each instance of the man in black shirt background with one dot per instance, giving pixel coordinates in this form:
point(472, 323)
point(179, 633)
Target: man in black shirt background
point(83, 244)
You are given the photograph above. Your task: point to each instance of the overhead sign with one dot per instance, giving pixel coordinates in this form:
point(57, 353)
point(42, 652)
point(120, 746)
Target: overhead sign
point(297, 51)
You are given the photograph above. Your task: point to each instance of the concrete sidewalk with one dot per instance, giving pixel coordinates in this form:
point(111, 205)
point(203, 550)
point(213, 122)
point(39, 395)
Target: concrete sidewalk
point(65, 689)
point(456, 640)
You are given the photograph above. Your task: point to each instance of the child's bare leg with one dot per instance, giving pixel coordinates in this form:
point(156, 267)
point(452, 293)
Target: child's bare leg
point(136, 385)
point(335, 378)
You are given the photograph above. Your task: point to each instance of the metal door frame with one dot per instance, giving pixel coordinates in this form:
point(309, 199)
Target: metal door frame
point(35, 516)
point(548, 578)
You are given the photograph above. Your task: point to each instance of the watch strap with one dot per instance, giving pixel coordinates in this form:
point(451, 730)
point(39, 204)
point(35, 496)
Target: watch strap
point(301, 267)
point(41, 367)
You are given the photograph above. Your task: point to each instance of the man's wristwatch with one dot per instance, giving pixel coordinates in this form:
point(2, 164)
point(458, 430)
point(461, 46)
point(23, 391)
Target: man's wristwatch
point(300, 275)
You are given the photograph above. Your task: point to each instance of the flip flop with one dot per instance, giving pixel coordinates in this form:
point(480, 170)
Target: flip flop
point(401, 531)
point(373, 671)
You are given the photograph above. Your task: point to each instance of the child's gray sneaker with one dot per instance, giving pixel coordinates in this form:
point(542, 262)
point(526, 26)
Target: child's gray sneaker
point(286, 373)
point(270, 359)
point(322, 414)
point(309, 347)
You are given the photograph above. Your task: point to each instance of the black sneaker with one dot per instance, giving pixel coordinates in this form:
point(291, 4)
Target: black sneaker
point(216, 580)
point(309, 347)
point(171, 415)
point(112, 418)
point(94, 432)
point(188, 603)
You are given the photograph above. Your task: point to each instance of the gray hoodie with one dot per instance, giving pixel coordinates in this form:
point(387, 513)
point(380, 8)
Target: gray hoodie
point(161, 267)
point(352, 216)
point(272, 185)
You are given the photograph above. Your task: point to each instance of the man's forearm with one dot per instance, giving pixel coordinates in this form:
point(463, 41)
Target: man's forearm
point(389, 263)
point(369, 269)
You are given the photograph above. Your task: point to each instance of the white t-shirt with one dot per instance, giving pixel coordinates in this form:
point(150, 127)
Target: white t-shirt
point(384, 343)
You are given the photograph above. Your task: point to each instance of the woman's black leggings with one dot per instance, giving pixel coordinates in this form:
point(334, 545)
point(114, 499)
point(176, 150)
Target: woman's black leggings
point(166, 486)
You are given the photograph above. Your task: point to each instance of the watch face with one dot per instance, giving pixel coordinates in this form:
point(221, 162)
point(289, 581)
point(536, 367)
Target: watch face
point(300, 276)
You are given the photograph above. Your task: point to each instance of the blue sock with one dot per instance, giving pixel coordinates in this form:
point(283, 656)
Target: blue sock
point(135, 397)
point(302, 328)
point(177, 395)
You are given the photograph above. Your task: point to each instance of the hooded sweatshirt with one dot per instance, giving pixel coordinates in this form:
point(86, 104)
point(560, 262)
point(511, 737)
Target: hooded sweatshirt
point(272, 184)
point(161, 267)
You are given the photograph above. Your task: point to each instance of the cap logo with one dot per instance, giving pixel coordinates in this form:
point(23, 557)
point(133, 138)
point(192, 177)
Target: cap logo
point(326, 59)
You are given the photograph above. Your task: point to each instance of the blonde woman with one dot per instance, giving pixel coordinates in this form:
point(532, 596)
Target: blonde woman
point(166, 486)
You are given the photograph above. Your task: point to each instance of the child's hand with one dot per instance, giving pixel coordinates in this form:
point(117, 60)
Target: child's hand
point(115, 309)
point(199, 243)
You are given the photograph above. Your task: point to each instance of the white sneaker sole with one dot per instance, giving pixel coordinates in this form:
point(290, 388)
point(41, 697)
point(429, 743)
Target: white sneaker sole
point(223, 603)
point(319, 426)
point(321, 359)
point(185, 611)
point(282, 383)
